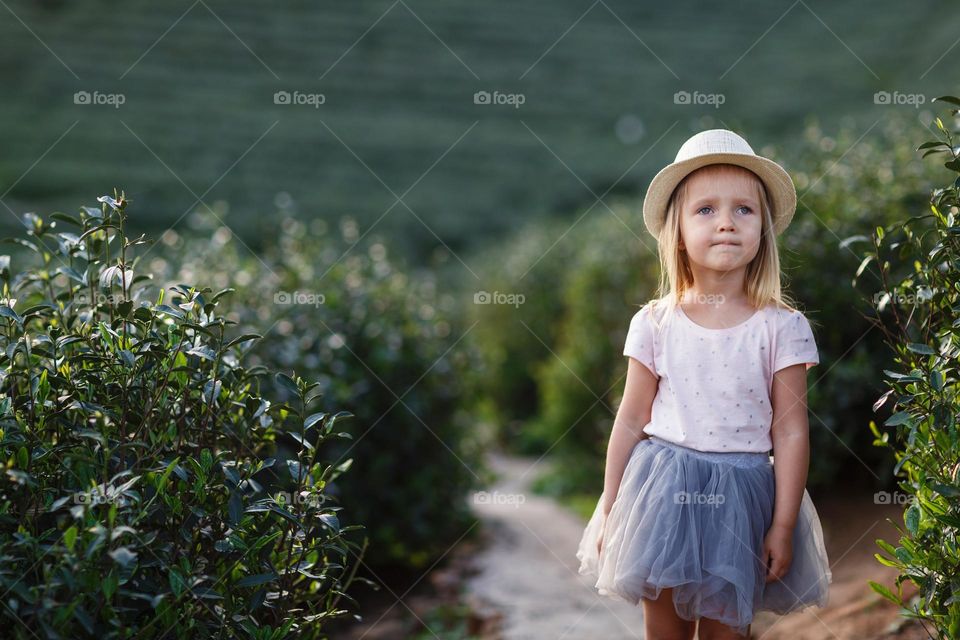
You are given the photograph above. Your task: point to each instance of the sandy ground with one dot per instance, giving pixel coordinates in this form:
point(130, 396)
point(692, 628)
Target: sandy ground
point(527, 574)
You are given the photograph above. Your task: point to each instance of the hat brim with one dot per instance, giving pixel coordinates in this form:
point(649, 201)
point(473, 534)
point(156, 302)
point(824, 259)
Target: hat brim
point(777, 181)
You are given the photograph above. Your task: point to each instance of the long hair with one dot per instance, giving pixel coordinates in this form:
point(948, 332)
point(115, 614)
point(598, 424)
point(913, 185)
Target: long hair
point(762, 278)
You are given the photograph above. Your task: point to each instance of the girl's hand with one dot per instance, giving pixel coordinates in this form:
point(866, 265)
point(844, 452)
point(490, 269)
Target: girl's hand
point(603, 528)
point(777, 551)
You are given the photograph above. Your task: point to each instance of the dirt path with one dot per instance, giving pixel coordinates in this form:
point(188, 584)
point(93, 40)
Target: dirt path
point(529, 572)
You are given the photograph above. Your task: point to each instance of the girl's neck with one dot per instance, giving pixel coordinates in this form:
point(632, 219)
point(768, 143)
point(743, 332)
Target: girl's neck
point(714, 296)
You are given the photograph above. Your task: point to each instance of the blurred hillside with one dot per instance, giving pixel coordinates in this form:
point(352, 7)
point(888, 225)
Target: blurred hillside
point(177, 101)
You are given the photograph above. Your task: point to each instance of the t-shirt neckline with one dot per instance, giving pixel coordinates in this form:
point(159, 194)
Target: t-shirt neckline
point(700, 327)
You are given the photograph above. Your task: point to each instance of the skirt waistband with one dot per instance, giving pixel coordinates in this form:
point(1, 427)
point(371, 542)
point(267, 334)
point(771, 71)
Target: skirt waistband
point(736, 458)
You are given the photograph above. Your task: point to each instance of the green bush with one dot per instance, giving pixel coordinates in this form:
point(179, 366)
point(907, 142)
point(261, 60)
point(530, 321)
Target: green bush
point(580, 385)
point(504, 388)
point(386, 342)
point(919, 301)
point(142, 494)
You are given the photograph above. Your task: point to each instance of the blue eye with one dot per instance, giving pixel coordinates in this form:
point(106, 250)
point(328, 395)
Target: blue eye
point(749, 210)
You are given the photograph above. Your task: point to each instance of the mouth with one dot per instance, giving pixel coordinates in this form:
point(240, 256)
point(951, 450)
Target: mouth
point(726, 244)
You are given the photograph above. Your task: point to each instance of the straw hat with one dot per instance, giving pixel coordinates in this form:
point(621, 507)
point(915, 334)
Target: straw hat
point(716, 146)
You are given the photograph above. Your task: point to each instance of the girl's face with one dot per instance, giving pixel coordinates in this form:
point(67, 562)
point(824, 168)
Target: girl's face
point(721, 220)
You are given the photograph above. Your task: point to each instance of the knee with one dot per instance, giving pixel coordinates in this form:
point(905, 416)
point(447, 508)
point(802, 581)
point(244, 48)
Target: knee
point(712, 630)
point(668, 634)
point(661, 622)
point(673, 630)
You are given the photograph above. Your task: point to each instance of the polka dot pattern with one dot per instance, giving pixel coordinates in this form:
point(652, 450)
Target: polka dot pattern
point(714, 384)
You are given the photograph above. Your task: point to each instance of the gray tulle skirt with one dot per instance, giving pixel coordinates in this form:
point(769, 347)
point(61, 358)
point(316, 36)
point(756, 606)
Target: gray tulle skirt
point(695, 521)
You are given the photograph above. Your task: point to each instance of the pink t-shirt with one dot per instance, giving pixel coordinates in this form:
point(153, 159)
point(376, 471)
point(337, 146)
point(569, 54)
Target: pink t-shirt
point(715, 384)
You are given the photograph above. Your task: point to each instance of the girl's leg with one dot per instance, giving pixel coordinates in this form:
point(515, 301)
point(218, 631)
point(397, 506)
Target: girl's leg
point(661, 622)
point(714, 630)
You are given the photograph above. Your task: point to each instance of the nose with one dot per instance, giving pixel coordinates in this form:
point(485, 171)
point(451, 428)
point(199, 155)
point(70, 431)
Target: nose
point(727, 221)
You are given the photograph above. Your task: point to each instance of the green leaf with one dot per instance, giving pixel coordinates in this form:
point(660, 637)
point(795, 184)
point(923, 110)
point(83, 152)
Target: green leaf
point(123, 556)
point(936, 380)
point(206, 459)
point(301, 440)
point(23, 458)
point(911, 518)
point(885, 592)
point(70, 273)
point(294, 468)
point(222, 292)
point(287, 383)
point(920, 348)
point(900, 417)
point(235, 507)
point(204, 352)
point(945, 490)
point(70, 537)
point(885, 561)
point(286, 514)
point(176, 313)
point(109, 584)
point(162, 483)
point(243, 338)
point(254, 580)
point(178, 583)
point(312, 420)
point(7, 312)
point(950, 99)
point(63, 217)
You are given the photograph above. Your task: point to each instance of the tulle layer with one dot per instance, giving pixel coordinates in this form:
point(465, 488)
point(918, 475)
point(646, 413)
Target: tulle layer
point(695, 521)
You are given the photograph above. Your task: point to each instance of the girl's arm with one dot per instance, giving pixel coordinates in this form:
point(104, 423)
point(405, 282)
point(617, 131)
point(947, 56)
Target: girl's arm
point(632, 416)
point(791, 443)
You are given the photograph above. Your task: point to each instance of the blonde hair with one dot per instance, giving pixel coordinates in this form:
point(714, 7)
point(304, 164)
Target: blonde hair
point(762, 278)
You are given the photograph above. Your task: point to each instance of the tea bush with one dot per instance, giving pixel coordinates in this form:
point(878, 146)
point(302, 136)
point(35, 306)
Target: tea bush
point(143, 494)
point(919, 304)
point(385, 341)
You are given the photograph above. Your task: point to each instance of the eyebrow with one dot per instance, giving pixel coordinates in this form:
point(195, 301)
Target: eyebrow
point(709, 200)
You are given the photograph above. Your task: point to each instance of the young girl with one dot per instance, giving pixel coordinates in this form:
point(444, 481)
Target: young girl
point(695, 519)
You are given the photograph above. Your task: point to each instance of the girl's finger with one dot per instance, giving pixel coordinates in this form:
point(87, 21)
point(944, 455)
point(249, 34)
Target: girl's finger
point(771, 564)
point(776, 569)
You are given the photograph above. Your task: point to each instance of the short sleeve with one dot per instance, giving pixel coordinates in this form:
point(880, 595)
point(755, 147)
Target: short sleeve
point(640, 339)
point(795, 343)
